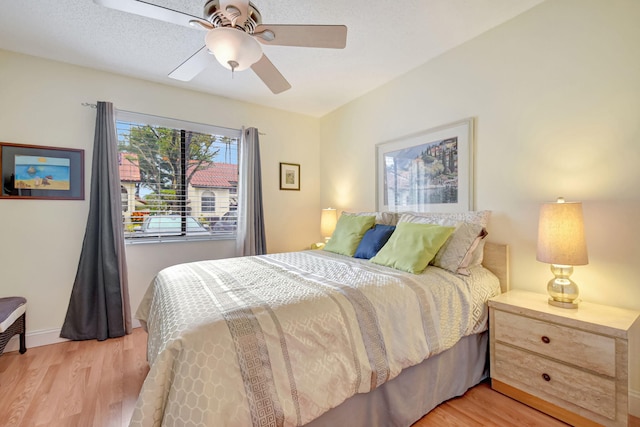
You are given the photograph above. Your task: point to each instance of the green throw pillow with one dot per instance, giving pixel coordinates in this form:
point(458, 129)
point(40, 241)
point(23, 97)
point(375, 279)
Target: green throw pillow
point(412, 246)
point(348, 233)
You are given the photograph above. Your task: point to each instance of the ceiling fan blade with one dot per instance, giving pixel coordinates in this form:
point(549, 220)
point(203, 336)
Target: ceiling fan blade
point(327, 36)
point(192, 66)
point(270, 75)
point(149, 10)
point(236, 11)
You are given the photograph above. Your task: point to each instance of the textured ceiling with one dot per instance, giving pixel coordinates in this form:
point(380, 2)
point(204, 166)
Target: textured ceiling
point(384, 40)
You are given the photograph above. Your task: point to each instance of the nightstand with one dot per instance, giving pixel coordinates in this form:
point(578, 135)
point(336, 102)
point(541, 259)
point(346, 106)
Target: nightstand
point(572, 364)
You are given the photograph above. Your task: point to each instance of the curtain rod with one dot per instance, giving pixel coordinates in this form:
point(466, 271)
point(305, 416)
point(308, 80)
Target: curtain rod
point(94, 106)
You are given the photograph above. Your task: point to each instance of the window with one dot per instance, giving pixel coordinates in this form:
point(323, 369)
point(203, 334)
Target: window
point(208, 202)
point(183, 177)
point(124, 198)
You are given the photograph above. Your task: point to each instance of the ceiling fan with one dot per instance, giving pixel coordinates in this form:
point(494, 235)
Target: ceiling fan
point(234, 36)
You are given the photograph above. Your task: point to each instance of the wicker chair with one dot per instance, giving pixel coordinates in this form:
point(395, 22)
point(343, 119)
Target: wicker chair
point(13, 312)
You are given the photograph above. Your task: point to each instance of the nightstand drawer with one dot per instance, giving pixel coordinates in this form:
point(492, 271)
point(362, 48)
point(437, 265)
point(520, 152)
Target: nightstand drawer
point(554, 381)
point(594, 352)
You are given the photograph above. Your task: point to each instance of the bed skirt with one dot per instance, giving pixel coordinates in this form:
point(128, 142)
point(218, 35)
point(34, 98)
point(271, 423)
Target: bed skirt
point(417, 390)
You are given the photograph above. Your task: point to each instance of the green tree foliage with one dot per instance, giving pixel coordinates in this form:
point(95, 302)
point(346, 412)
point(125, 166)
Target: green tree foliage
point(162, 201)
point(158, 152)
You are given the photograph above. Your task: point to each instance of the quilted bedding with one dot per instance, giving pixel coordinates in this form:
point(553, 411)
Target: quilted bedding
point(277, 340)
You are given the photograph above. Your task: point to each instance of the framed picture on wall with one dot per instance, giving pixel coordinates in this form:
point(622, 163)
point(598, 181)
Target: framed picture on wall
point(431, 171)
point(289, 176)
point(40, 172)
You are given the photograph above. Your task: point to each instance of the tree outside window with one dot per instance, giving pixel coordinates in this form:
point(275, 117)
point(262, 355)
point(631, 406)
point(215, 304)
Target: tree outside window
point(177, 174)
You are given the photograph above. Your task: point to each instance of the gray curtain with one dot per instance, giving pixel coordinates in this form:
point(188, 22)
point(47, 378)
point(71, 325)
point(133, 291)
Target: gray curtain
point(99, 304)
point(251, 237)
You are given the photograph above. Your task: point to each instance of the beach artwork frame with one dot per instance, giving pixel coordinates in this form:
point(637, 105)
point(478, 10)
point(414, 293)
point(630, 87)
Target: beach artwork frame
point(41, 172)
point(430, 171)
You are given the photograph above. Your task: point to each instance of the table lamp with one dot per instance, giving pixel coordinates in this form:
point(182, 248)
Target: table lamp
point(562, 244)
point(328, 222)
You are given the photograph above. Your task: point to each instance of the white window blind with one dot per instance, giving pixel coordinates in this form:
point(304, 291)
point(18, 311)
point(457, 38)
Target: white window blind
point(178, 179)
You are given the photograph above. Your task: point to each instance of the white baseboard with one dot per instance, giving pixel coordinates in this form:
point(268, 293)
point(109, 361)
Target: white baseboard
point(44, 337)
point(634, 403)
point(36, 339)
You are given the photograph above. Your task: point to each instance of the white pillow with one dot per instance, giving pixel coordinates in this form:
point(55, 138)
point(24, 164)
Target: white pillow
point(456, 255)
point(384, 218)
point(447, 218)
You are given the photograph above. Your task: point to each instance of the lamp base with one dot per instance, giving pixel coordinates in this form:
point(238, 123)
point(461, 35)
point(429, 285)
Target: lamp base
point(563, 292)
point(563, 304)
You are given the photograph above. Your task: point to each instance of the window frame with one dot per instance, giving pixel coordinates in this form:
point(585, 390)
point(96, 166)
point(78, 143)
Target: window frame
point(183, 126)
point(208, 201)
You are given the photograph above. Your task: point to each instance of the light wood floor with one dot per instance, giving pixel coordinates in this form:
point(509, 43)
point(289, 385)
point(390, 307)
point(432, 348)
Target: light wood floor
point(95, 384)
point(84, 384)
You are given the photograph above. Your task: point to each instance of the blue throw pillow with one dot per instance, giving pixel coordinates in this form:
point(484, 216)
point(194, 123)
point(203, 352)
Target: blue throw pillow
point(373, 240)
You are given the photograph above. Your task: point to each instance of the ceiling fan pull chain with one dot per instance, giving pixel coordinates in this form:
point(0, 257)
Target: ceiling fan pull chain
point(233, 65)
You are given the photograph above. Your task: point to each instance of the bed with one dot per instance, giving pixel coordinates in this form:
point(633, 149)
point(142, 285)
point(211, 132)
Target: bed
point(312, 338)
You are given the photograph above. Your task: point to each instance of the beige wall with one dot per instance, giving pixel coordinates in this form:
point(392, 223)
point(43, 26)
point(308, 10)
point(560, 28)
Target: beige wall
point(41, 240)
point(556, 96)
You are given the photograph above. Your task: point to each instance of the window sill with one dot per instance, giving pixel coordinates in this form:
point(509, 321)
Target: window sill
point(175, 239)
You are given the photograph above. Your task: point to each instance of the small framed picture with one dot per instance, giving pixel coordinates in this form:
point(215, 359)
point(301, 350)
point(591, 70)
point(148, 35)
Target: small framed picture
point(40, 172)
point(289, 176)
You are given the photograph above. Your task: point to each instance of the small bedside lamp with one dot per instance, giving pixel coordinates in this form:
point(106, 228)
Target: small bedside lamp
point(562, 244)
point(328, 222)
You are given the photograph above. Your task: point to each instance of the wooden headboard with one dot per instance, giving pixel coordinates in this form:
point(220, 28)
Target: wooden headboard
point(496, 260)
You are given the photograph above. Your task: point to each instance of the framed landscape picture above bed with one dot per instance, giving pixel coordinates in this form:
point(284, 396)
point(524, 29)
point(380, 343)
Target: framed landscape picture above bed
point(430, 171)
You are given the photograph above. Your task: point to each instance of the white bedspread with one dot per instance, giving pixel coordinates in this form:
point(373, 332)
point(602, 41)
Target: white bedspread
point(277, 340)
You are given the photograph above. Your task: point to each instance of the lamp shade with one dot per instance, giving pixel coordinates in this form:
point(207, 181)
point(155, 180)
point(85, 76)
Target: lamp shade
point(561, 239)
point(233, 48)
point(328, 222)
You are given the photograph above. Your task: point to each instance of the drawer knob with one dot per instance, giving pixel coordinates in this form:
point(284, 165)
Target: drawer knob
point(545, 339)
point(546, 377)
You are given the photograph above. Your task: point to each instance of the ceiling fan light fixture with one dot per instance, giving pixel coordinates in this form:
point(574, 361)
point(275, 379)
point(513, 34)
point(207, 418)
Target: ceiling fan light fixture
point(233, 46)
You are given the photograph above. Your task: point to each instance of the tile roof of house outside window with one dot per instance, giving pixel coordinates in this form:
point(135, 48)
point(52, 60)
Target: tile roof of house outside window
point(129, 167)
point(216, 175)
point(219, 175)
